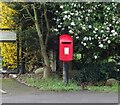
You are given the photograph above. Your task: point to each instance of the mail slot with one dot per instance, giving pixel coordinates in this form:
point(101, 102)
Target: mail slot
point(66, 42)
point(65, 47)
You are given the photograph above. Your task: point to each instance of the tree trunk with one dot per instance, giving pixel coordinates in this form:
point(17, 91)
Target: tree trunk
point(42, 45)
point(52, 57)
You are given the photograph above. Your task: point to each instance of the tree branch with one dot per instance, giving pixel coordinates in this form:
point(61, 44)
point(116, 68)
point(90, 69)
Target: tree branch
point(29, 13)
point(47, 24)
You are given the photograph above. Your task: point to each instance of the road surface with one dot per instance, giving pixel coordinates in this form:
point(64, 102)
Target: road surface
point(19, 93)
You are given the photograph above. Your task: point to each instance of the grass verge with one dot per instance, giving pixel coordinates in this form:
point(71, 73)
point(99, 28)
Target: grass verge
point(52, 84)
point(56, 84)
point(114, 88)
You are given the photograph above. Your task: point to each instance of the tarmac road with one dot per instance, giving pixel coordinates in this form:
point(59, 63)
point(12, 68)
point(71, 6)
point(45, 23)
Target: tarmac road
point(19, 93)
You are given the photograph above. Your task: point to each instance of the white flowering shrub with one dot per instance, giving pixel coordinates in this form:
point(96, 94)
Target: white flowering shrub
point(94, 27)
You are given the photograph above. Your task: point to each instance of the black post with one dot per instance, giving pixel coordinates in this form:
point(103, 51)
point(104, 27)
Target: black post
point(65, 72)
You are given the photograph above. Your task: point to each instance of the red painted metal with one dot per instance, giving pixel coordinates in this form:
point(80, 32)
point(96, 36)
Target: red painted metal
point(65, 47)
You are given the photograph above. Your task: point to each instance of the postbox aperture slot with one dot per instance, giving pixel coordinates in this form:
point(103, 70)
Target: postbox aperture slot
point(66, 42)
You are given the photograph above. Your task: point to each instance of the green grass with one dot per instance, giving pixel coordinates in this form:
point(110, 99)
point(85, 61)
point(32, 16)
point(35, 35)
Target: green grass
point(52, 84)
point(113, 88)
point(56, 84)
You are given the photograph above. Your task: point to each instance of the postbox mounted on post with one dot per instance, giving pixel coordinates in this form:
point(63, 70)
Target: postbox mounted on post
point(65, 48)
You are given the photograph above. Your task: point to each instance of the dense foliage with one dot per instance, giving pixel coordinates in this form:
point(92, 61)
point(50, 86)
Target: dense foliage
point(94, 27)
point(31, 50)
point(8, 50)
point(95, 30)
point(8, 53)
point(6, 14)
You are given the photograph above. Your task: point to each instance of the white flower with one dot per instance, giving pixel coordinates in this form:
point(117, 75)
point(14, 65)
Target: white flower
point(59, 26)
point(108, 8)
point(90, 26)
point(58, 20)
point(104, 23)
point(95, 57)
point(98, 37)
point(61, 6)
point(82, 7)
point(90, 38)
point(74, 5)
point(113, 21)
point(88, 14)
point(109, 41)
point(99, 42)
point(86, 18)
point(118, 70)
point(115, 33)
point(78, 18)
point(56, 11)
point(101, 45)
point(94, 32)
point(80, 12)
point(117, 22)
point(89, 10)
point(71, 13)
point(112, 31)
point(111, 35)
point(76, 14)
point(101, 31)
point(56, 30)
point(107, 11)
point(69, 27)
point(81, 16)
point(106, 38)
point(83, 28)
point(72, 23)
point(75, 34)
point(70, 31)
point(84, 44)
point(108, 28)
point(110, 25)
point(69, 17)
point(77, 37)
point(113, 18)
point(96, 29)
point(65, 12)
point(65, 16)
point(85, 38)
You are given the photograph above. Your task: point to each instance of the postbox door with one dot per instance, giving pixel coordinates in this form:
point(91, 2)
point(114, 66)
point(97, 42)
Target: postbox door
point(66, 50)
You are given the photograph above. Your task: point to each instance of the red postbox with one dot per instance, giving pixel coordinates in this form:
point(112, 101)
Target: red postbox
point(65, 47)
